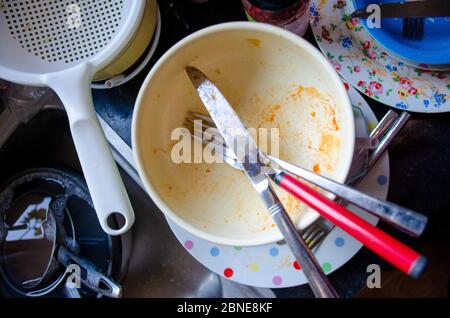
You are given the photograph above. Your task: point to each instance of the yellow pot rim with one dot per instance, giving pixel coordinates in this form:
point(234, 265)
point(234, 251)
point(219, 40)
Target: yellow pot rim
point(136, 47)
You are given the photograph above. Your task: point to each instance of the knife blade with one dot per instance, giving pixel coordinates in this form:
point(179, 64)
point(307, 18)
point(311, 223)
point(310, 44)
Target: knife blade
point(420, 8)
point(239, 140)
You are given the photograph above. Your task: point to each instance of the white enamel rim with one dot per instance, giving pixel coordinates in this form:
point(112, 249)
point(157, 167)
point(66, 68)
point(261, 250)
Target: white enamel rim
point(236, 26)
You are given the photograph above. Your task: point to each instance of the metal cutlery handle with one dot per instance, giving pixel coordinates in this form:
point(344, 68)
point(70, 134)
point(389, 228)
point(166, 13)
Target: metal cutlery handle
point(317, 279)
point(406, 220)
point(387, 138)
point(366, 143)
point(378, 132)
point(386, 130)
point(91, 276)
point(384, 124)
point(386, 246)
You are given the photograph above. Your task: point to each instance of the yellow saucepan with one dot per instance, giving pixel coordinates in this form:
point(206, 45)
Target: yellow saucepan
point(137, 46)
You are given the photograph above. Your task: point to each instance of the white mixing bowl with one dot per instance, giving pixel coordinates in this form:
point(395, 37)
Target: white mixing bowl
point(273, 79)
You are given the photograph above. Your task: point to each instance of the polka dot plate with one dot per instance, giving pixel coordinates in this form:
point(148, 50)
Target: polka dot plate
point(272, 265)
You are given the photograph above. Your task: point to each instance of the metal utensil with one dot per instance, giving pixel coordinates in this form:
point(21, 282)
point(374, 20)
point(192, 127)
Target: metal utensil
point(361, 143)
point(413, 28)
point(385, 141)
point(256, 163)
point(240, 142)
point(389, 137)
point(383, 125)
point(404, 219)
point(65, 254)
point(67, 251)
point(315, 234)
point(408, 9)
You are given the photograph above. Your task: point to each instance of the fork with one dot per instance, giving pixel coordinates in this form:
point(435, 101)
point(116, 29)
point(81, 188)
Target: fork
point(313, 234)
point(404, 219)
point(413, 28)
point(316, 233)
point(400, 255)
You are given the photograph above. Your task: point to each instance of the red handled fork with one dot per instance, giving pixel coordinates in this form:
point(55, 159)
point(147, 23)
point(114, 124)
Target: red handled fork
point(386, 246)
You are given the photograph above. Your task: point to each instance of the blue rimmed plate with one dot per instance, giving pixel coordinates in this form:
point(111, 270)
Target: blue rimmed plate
point(432, 52)
point(364, 64)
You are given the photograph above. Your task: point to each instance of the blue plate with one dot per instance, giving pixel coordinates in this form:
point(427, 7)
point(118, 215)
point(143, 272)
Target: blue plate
point(432, 52)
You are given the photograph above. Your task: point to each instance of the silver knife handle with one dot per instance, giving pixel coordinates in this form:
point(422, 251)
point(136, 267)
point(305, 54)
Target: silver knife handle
point(388, 138)
point(317, 279)
point(404, 219)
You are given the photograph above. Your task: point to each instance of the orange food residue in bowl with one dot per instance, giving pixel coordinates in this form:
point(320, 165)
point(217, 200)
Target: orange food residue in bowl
point(255, 42)
point(327, 143)
point(334, 124)
point(311, 91)
point(272, 112)
point(316, 167)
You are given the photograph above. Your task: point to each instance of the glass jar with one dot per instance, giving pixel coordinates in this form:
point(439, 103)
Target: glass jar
point(292, 15)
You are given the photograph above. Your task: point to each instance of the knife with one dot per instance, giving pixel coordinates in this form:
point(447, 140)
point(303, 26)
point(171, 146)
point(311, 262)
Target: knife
point(398, 254)
point(420, 8)
point(254, 163)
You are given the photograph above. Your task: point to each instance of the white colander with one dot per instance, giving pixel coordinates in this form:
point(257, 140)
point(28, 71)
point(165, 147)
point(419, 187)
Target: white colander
point(61, 44)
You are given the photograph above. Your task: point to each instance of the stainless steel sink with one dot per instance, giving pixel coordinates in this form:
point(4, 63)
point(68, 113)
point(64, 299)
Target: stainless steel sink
point(158, 266)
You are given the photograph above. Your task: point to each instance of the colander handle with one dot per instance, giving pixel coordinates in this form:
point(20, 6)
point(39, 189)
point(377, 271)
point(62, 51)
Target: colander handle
point(99, 168)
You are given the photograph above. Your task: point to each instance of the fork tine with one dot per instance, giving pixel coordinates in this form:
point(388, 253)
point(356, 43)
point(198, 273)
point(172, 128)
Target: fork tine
point(317, 240)
point(310, 232)
point(410, 28)
point(226, 154)
point(404, 35)
point(405, 28)
point(416, 29)
point(207, 138)
point(202, 117)
point(413, 28)
point(205, 124)
point(307, 232)
point(208, 124)
point(421, 28)
point(313, 235)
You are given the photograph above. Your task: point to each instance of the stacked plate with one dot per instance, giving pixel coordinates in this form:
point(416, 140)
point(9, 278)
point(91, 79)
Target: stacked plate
point(430, 52)
point(377, 62)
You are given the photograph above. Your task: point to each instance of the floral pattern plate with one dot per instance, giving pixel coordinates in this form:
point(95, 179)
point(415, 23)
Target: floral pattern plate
point(367, 67)
point(272, 265)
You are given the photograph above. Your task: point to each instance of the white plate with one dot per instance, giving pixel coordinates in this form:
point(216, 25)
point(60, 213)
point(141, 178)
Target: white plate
point(272, 265)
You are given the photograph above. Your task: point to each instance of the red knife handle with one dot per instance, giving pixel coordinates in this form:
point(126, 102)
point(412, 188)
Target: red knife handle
point(386, 246)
